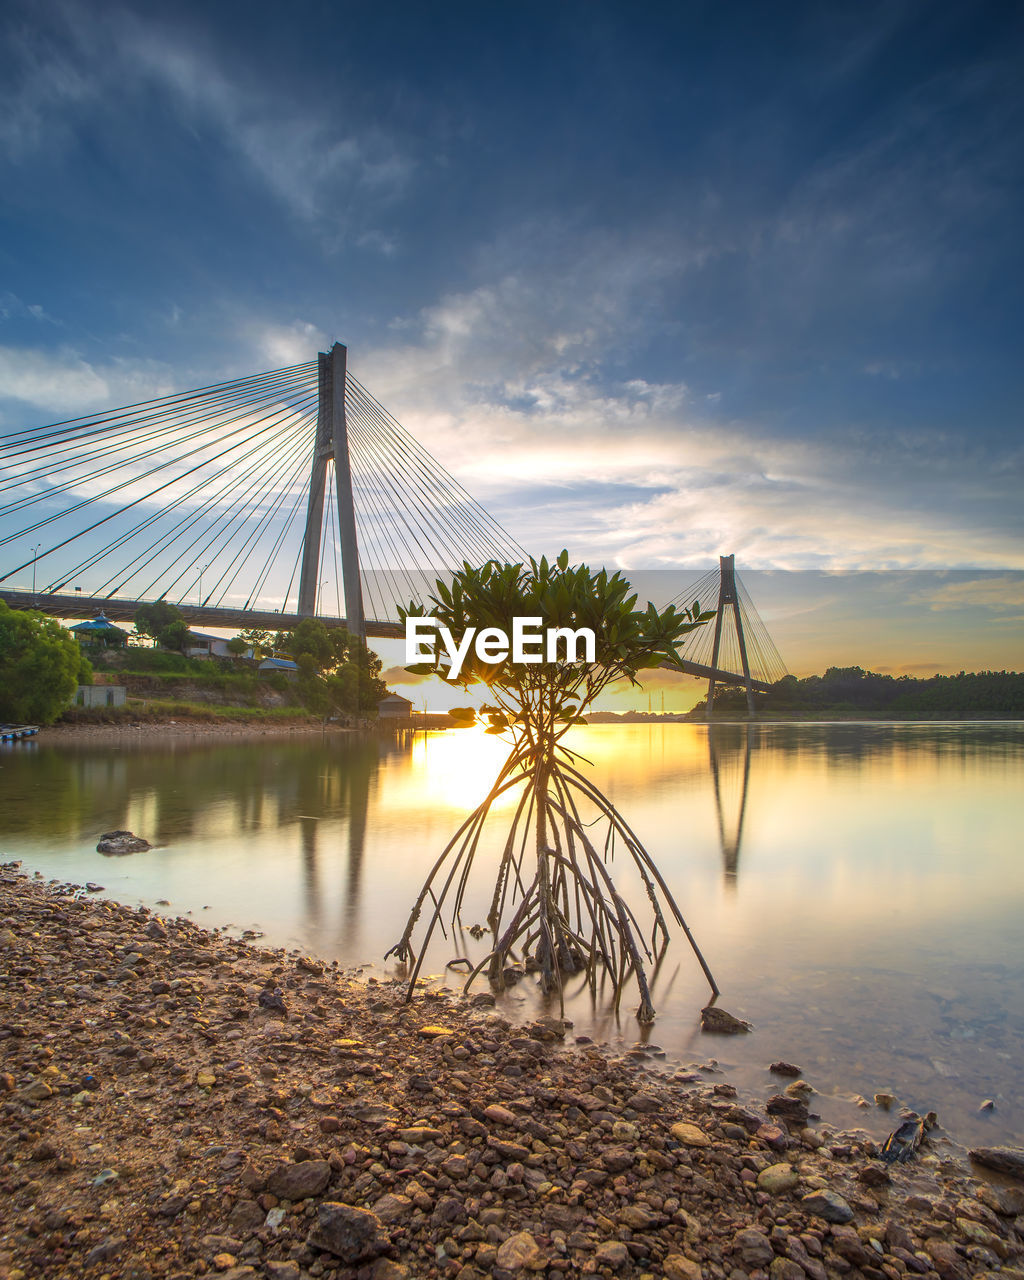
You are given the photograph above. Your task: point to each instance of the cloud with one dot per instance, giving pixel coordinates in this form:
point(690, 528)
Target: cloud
point(39, 108)
point(399, 675)
point(280, 345)
point(12, 308)
point(63, 381)
point(107, 62)
point(510, 392)
point(303, 157)
point(997, 593)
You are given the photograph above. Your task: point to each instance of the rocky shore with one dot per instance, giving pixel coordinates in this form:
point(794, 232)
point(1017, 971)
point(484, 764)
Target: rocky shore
point(176, 1103)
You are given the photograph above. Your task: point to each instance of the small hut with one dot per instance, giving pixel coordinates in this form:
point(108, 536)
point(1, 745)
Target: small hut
point(394, 707)
point(100, 632)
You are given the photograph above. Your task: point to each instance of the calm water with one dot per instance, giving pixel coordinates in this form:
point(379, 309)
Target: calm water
point(858, 890)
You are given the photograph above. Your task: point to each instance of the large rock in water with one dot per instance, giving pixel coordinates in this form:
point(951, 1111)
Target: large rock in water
point(1009, 1160)
point(119, 842)
point(721, 1022)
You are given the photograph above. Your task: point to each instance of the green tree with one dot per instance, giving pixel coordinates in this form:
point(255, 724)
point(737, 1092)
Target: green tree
point(564, 914)
point(163, 622)
point(238, 646)
point(41, 665)
point(259, 640)
point(338, 675)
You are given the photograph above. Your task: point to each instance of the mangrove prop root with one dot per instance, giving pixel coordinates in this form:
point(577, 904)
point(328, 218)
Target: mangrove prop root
point(568, 917)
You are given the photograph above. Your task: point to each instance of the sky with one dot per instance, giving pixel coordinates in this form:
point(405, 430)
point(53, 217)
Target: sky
point(654, 282)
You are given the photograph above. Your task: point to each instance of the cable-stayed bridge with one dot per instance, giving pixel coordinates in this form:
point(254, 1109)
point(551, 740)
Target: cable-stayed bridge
point(259, 502)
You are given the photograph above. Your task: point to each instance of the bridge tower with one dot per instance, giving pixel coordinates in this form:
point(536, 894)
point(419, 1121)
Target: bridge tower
point(727, 595)
point(331, 443)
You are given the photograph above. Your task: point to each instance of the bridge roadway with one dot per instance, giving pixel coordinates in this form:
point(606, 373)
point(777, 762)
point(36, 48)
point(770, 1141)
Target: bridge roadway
point(118, 609)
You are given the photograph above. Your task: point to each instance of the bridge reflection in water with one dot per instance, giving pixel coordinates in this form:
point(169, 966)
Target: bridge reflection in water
point(729, 747)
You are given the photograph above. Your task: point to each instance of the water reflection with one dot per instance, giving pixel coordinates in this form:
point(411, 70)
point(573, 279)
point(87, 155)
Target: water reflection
point(857, 889)
point(729, 759)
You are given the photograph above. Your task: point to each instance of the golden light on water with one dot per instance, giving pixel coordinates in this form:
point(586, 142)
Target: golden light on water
point(841, 879)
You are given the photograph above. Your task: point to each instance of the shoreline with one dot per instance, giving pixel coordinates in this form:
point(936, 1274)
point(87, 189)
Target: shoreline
point(149, 730)
point(169, 1119)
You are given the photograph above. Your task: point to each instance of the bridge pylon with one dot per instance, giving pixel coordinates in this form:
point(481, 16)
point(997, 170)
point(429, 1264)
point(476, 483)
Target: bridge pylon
point(728, 596)
point(331, 445)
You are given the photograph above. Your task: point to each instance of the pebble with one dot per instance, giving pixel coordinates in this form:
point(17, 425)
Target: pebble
point(328, 1138)
point(690, 1135)
point(828, 1205)
point(350, 1234)
point(520, 1252)
point(612, 1254)
point(777, 1179)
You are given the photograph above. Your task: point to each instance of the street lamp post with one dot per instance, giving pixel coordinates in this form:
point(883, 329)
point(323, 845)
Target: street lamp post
point(201, 572)
point(35, 557)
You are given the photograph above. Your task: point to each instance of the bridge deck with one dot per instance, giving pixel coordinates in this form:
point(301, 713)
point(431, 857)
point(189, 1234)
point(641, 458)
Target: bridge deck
point(119, 609)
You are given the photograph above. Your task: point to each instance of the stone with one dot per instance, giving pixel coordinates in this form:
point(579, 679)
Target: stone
point(638, 1218)
point(434, 1032)
point(520, 1252)
point(499, 1115)
point(117, 843)
point(37, 1091)
point(1008, 1160)
point(617, 1159)
point(773, 1135)
point(874, 1175)
point(612, 1253)
point(786, 1269)
point(104, 1252)
point(205, 1079)
point(1007, 1201)
point(273, 1002)
point(690, 1135)
point(645, 1103)
point(678, 1267)
point(353, 1235)
point(281, 1270)
point(418, 1134)
point(946, 1260)
point(246, 1216)
point(300, 1180)
point(721, 1022)
point(828, 1205)
point(792, 1110)
point(752, 1247)
point(391, 1207)
point(385, 1269)
point(785, 1069)
point(777, 1179)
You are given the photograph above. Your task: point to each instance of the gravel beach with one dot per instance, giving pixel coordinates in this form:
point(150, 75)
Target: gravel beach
point(178, 1103)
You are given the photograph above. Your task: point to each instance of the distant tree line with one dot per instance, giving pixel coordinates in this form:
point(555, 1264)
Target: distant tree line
point(852, 693)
